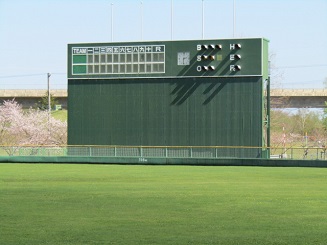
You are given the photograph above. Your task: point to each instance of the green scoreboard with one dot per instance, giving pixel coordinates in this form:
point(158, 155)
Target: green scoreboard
point(169, 93)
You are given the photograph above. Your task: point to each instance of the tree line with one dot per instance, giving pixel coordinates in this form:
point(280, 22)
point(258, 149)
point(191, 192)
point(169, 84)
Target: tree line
point(305, 127)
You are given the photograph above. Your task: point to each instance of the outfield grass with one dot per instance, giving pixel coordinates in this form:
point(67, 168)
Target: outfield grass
point(60, 115)
point(112, 204)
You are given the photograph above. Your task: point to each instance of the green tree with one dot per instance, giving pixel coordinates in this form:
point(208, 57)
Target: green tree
point(292, 127)
point(324, 119)
point(43, 104)
point(325, 82)
point(307, 121)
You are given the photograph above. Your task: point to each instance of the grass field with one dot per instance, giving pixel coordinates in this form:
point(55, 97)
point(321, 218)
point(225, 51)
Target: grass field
point(60, 115)
point(112, 204)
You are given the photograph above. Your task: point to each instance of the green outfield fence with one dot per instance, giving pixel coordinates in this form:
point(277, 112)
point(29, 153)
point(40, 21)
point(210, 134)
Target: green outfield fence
point(185, 152)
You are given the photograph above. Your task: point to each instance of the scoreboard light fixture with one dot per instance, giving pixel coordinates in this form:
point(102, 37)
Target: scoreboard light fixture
point(237, 56)
point(238, 45)
point(204, 57)
point(204, 46)
point(212, 46)
point(218, 46)
point(212, 57)
point(238, 67)
point(208, 68)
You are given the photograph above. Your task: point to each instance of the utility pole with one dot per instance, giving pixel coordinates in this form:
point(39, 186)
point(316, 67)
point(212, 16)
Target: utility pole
point(49, 100)
point(49, 104)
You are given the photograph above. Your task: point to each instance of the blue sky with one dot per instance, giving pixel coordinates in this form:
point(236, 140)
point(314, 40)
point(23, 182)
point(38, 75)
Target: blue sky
point(34, 33)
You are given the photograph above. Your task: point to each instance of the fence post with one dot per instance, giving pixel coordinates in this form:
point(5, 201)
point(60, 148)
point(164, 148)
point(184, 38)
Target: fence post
point(166, 151)
point(90, 151)
point(141, 151)
point(317, 154)
point(191, 153)
point(115, 151)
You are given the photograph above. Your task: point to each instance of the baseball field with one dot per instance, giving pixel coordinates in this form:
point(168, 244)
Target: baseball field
point(120, 204)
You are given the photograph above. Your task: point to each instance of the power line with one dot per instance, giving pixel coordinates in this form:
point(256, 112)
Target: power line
point(32, 75)
point(299, 66)
point(24, 75)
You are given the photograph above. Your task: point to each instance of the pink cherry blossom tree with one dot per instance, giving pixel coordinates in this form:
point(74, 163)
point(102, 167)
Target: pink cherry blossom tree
point(20, 127)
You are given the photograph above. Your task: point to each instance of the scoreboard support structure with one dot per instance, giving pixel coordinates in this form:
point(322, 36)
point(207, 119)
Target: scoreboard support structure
point(170, 93)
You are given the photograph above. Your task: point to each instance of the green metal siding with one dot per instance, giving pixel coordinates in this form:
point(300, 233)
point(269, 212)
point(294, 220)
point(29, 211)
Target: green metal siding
point(176, 111)
point(265, 58)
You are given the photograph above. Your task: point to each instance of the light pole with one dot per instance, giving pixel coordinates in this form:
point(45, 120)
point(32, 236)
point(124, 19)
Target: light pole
point(234, 17)
point(202, 19)
point(112, 22)
point(171, 19)
point(141, 20)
